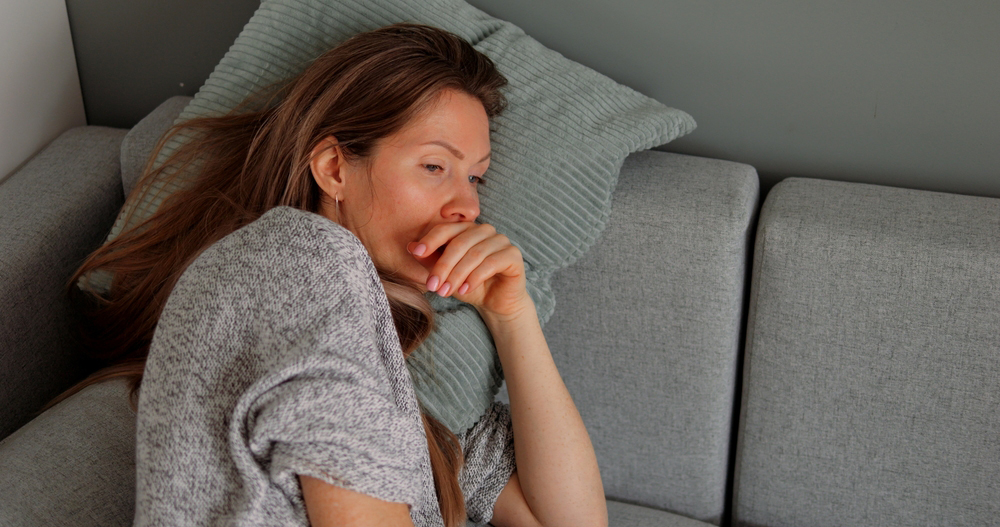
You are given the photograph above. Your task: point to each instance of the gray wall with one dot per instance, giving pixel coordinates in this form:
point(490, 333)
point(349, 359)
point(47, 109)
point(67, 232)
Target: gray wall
point(134, 54)
point(895, 92)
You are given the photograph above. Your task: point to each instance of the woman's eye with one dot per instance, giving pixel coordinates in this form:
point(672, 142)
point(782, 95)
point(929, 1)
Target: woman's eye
point(475, 179)
point(433, 168)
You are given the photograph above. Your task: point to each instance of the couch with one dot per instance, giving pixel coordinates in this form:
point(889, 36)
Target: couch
point(828, 357)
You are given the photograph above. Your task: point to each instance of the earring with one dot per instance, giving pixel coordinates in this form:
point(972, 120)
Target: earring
point(336, 202)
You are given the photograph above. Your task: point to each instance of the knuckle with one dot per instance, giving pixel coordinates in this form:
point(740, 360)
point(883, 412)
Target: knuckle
point(476, 253)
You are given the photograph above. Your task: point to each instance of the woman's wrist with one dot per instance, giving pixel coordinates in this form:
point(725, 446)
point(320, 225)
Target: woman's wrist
point(519, 313)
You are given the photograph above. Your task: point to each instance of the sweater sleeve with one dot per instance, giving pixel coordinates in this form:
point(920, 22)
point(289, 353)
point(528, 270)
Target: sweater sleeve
point(336, 403)
point(335, 429)
point(489, 462)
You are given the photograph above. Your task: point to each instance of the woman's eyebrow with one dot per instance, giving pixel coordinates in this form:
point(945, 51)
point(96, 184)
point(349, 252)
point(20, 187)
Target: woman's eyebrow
point(451, 148)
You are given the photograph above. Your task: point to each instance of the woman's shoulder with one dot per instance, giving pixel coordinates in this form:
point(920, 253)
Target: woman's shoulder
point(288, 240)
point(285, 256)
point(290, 228)
point(289, 276)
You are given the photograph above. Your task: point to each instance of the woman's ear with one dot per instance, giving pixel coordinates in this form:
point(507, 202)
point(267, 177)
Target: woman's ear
point(326, 162)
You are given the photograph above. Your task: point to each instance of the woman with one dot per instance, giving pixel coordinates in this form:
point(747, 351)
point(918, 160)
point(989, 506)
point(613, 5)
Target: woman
point(275, 391)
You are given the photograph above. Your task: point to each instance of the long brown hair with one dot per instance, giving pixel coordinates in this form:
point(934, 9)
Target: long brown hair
point(257, 158)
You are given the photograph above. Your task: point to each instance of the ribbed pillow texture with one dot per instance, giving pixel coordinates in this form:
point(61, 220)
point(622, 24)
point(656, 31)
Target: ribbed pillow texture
point(557, 150)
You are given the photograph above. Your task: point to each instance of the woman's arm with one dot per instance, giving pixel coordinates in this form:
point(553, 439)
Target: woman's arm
point(557, 476)
point(331, 506)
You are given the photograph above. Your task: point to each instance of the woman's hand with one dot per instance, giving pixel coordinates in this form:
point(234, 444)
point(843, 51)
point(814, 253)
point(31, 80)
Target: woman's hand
point(475, 264)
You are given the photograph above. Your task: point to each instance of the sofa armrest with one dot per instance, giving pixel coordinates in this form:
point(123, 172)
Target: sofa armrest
point(53, 212)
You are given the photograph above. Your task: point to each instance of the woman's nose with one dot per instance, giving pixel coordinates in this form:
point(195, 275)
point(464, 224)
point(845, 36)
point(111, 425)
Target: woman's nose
point(463, 205)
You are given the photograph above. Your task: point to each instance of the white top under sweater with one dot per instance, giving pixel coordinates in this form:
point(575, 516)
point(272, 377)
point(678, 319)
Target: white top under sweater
point(275, 356)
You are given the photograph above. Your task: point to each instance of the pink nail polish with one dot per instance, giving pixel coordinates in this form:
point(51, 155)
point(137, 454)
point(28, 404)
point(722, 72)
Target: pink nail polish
point(432, 283)
point(464, 289)
point(419, 250)
point(445, 289)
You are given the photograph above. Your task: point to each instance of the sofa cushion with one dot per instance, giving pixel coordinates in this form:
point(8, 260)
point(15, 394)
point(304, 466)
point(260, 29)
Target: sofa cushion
point(872, 377)
point(628, 515)
point(74, 464)
point(556, 155)
point(647, 334)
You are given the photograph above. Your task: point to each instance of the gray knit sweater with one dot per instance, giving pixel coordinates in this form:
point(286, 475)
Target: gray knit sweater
point(275, 356)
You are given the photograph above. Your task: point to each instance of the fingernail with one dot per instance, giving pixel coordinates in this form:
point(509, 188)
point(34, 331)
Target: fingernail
point(464, 289)
point(419, 250)
point(444, 289)
point(432, 283)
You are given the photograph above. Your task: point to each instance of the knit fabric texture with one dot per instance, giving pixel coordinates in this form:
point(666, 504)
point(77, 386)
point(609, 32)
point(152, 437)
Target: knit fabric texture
point(557, 150)
point(276, 356)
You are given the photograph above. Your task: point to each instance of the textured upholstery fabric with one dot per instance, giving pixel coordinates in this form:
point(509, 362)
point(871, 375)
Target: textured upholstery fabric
point(627, 515)
point(647, 330)
point(53, 212)
point(556, 154)
point(872, 377)
point(73, 465)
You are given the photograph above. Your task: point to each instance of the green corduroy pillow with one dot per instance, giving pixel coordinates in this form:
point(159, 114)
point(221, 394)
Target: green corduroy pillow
point(557, 150)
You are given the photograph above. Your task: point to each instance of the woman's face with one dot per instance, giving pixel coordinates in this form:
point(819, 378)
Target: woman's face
point(424, 175)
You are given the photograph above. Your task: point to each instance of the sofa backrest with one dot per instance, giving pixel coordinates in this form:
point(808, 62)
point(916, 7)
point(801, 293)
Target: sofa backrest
point(647, 329)
point(871, 392)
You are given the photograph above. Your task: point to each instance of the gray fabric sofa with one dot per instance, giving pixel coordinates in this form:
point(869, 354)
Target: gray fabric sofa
point(850, 376)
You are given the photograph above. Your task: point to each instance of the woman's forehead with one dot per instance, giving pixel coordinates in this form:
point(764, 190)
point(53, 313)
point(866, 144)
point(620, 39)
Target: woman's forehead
point(455, 121)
